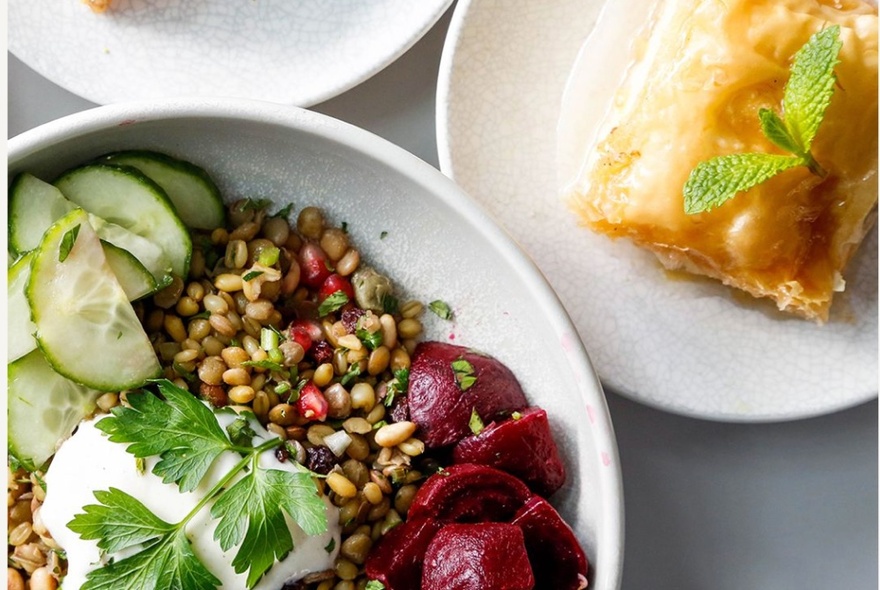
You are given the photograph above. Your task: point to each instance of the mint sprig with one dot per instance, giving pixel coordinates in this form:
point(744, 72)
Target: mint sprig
point(251, 510)
point(805, 98)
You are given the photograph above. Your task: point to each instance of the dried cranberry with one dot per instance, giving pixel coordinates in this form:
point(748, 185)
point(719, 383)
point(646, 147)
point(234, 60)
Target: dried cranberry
point(350, 317)
point(320, 459)
point(400, 411)
point(322, 352)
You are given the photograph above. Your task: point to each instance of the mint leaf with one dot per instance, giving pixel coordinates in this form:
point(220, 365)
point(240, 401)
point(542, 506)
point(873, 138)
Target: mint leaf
point(715, 181)
point(183, 432)
point(464, 374)
point(809, 89)
point(776, 131)
point(441, 309)
point(119, 522)
point(806, 96)
point(167, 563)
point(252, 511)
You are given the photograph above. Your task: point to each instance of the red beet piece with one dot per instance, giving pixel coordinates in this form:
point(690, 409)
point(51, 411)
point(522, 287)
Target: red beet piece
point(523, 447)
point(477, 557)
point(554, 552)
point(396, 560)
point(441, 402)
point(470, 493)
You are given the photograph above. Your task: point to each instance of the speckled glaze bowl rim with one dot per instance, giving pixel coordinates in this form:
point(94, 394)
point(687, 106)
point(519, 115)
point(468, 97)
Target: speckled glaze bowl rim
point(402, 163)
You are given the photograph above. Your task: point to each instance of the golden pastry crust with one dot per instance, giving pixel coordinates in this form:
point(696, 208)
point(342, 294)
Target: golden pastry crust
point(694, 93)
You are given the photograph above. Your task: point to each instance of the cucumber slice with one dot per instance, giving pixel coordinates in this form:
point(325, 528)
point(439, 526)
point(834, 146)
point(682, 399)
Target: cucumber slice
point(86, 327)
point(43, 408)
point(195, 196)
point(19, 327)
point(133, 277)
point(126, 197)
point(148, 253)
point(34, 205)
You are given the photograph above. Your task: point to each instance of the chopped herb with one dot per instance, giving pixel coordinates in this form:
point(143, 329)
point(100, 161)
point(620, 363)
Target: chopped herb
point(390, 304)
point(282, 388)
point(516, 416)
point(251, 275)
point(119, 335)
point(269, 256)
point(371, 340)
point(379, 424)
point(140, 465)
point(251, 513)
point(285, 211)
point(254, 204)
point(383, 235)
point(240, 432)
point(187, 375)
point(332, 303)
point(441, 309)
point(374, 585)
point(67, 242)
point(476, 423)
point(265, 364)
point(397, 386)
point(804, 99)
point(344, 227)
point(353, 373)
point(464, 374)
point(202, 315)
point(329, 547)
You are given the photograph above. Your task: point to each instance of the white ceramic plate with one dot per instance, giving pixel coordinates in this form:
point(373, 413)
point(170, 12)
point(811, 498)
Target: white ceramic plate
point(412, 224)
point(298, 52)
point(688, 346)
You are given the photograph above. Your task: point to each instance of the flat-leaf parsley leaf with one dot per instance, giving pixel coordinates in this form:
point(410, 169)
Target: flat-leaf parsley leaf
point(186, 436)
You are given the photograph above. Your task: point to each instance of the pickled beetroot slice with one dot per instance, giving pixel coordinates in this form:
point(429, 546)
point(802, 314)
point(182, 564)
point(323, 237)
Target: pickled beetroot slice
point(470, 493)
point(478, 556)
point(523, 447)
point(442, 407)
point(396, 560)
point(554, 552)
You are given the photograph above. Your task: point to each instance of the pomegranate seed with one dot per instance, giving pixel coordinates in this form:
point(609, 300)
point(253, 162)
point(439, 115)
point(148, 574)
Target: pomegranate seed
point(304, 332)
point(314, 265)
point(312, 404)
point(335, 283)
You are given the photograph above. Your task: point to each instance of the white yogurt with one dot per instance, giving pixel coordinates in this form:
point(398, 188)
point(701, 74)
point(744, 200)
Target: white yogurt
point(88, 461)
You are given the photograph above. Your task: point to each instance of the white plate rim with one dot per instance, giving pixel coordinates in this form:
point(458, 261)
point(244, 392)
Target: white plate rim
point(343, 82)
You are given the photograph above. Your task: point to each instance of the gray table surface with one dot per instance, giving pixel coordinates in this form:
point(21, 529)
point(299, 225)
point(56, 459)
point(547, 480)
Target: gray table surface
point(709, 506)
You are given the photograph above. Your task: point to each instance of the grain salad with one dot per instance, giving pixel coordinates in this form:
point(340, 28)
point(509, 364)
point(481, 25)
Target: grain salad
point(284, 424)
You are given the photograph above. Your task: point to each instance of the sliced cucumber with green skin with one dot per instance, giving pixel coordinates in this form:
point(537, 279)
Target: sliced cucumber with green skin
point(43, 408)
point(86, 327)
point(133, 277)
point(195, 196)
point(19, 327)
point(34, 205)
point(147, 252)
point(124, 196)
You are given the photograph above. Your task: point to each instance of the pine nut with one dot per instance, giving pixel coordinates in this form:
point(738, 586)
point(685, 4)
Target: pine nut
point(393, 434)
point(341, 485)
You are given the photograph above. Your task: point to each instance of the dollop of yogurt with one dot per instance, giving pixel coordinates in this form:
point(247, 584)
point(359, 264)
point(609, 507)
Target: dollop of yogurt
point(88, 461)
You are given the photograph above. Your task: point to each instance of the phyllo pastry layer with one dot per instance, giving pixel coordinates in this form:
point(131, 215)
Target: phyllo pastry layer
point(693, 93)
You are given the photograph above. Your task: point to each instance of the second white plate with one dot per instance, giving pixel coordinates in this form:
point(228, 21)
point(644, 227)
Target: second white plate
point(297, 52)
point(688, 346)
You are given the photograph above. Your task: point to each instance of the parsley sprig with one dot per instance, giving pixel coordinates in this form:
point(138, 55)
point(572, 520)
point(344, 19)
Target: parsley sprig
point(249, 501)
point(805, 98)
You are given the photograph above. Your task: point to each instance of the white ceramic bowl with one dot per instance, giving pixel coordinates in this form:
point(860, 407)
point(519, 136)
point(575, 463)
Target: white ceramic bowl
point(438, 245)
